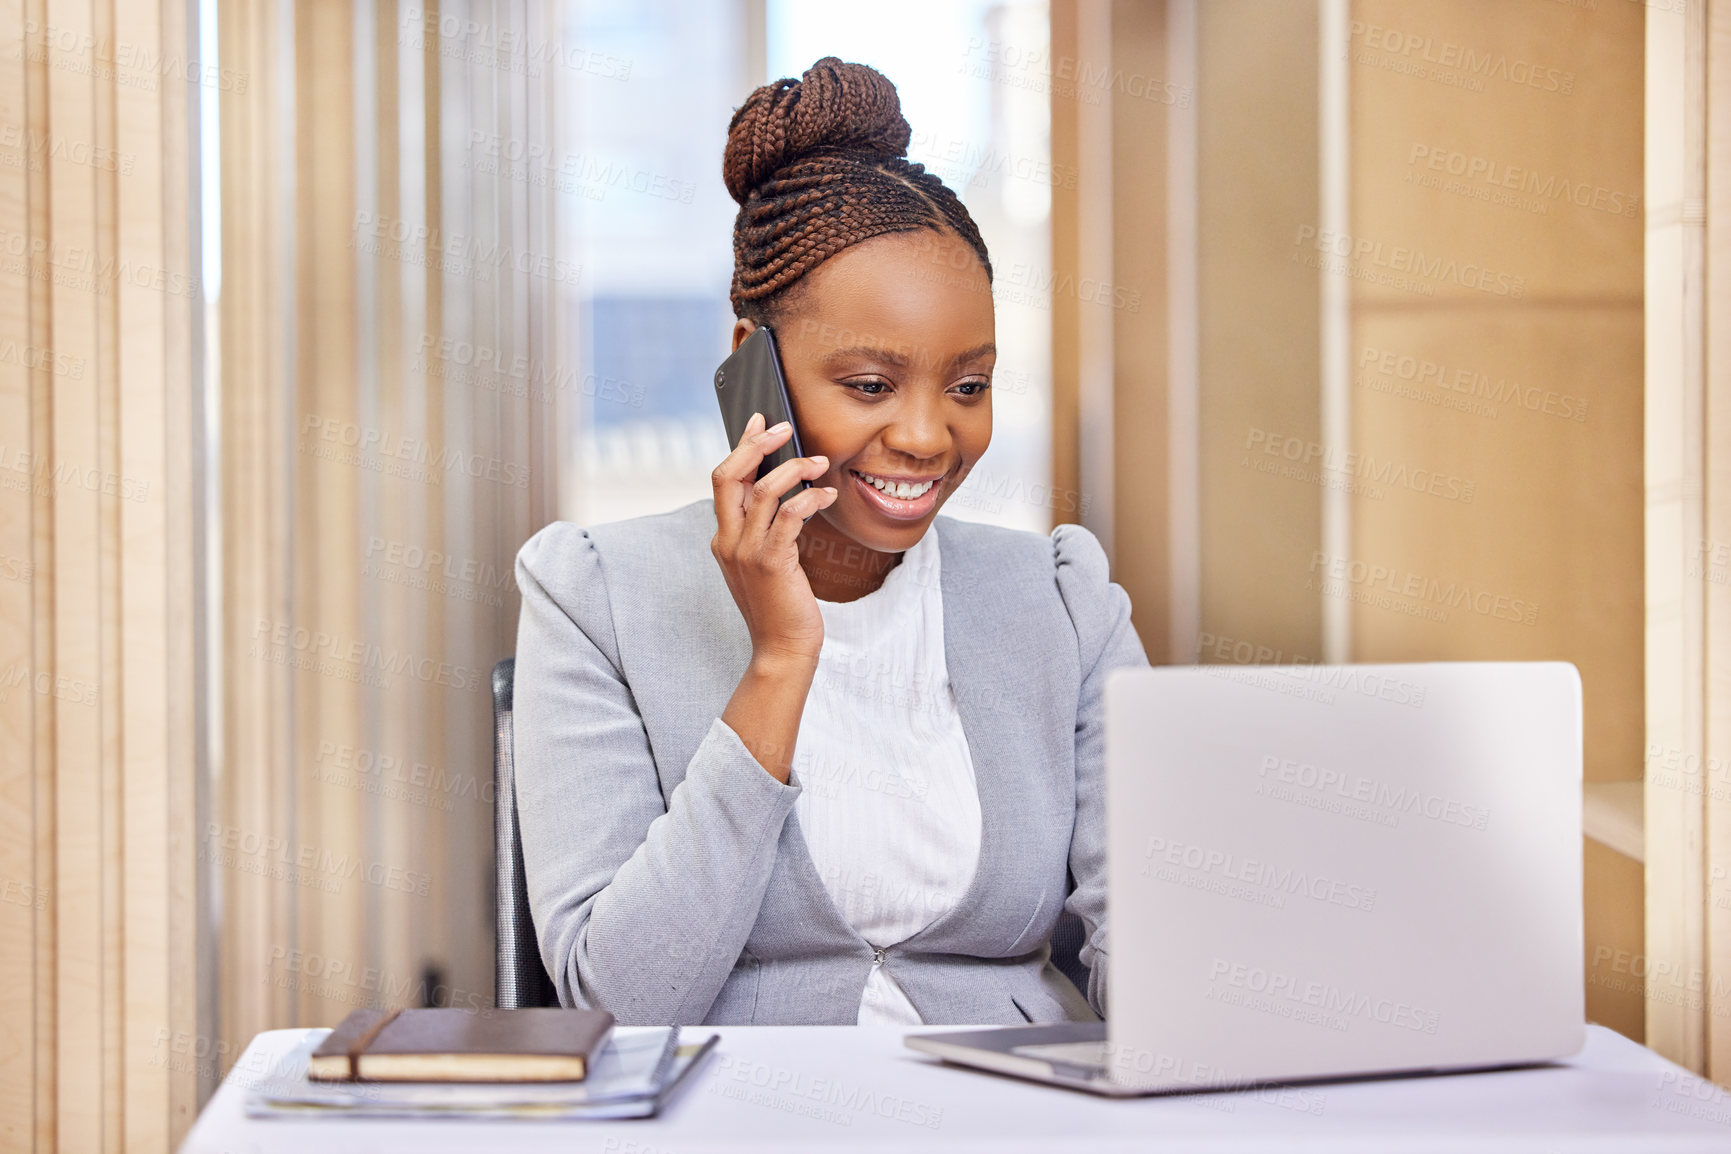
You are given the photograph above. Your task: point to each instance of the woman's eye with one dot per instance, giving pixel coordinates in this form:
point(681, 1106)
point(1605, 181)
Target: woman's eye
point(871, 388)
point(973, 388)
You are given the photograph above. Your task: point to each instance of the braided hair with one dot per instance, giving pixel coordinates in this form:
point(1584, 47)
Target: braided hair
point(819, 164)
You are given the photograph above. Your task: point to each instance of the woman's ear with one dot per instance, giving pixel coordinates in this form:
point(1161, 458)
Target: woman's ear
point(742, 328)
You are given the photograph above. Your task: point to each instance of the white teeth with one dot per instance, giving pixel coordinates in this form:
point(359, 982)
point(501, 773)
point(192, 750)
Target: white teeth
point(898, 489)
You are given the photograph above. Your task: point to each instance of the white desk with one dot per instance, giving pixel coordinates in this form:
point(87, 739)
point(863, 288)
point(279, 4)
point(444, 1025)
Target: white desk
point(859, 1088)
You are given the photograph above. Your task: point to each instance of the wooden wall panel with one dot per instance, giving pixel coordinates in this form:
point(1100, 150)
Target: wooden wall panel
point(1066, 261)
point(1495, 261)
point(1674, 422)
point(1707, 561)
point(1688, 800)
point(1615, 933)
point(1112, 435)
point(83, 577)
point(1142, 438)
point(99, 525)
point(251, 779)
point(331, 915)
point(1259, 344)
point(24, 912)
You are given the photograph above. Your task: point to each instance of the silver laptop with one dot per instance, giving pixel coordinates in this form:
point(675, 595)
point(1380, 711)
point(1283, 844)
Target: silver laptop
point(1320, 872)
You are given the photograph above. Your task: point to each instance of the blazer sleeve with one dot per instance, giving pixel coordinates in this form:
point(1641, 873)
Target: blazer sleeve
point(642, 903)
point(1106, 640)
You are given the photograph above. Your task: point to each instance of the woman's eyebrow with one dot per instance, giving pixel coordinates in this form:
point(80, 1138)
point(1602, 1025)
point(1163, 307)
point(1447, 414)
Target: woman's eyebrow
point(976, 352)
point(888, 356)
point(901, 359)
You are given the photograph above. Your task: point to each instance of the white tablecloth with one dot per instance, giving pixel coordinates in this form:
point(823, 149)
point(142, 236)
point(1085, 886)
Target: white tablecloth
point(857, 1087)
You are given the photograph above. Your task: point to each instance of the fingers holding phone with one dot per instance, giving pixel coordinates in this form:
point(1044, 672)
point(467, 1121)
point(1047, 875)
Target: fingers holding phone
point(756, 540)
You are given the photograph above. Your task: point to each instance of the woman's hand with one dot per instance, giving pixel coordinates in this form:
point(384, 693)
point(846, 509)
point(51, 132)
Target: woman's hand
point(756, 544)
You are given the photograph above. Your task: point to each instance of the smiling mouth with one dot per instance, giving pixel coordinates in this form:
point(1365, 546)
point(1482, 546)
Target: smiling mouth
point(901, 490)
point(899, 498)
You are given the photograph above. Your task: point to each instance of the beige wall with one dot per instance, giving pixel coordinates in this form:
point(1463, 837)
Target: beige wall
point(1241, 76)
point(1111, 225)
point(1615, 886)
point(1545, 296)
point(1481, 495)
point(1553, 520)
point(1259, 328)
point(1141, 460)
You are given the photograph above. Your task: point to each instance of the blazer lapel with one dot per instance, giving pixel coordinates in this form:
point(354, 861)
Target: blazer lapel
point(974, 656)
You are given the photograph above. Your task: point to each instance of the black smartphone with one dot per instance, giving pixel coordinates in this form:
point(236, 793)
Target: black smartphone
point(751, 381)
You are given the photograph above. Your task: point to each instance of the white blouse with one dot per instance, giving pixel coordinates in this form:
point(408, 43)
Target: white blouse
point(888, 804)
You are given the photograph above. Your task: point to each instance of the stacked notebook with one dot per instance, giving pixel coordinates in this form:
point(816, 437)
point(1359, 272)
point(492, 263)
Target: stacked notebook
point(536, 1063)
point(540, 1045)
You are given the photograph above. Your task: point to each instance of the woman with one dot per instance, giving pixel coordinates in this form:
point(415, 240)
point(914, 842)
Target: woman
point(842, 765)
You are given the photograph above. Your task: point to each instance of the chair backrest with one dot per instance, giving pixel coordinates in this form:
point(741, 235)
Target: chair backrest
point(519, 979)
point(1067, 938)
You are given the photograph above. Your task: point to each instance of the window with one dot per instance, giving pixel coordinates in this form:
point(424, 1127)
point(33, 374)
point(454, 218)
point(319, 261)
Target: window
point(655, 228)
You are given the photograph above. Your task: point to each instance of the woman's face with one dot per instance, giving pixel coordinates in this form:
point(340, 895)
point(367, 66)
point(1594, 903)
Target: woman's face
point(888, 351)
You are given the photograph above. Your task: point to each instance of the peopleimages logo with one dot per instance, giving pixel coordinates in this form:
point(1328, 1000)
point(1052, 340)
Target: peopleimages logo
point(61, 686)
point(24, 471)
point(1501, 177)
point(251, 852)
point(40, 146)
point(1426, 596)
point(532, 162)
point(434, 562)
point(1473, 383)
point(124, 62)
point(274, 639)
point(1277, 881)
point(1280, 993)
point(396, 238)
point(82, 269)
point(1071, 77)
point(482, 42)
point(1464, 60)
point(1353, 787)
point(353, 983)
point(1331, 461)
point(415, 458)
point(1270, 668)
point(1398, 265)
point(493, 369)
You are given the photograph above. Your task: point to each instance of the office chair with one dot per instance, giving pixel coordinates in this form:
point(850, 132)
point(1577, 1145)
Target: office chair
point(519, 979)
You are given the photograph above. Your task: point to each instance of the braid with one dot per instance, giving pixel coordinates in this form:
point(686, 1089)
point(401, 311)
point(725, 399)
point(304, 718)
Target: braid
point(820, 164)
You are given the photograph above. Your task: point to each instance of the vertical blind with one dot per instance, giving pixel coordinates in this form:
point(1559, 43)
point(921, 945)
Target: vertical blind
point(99, 748)
point(394, 306)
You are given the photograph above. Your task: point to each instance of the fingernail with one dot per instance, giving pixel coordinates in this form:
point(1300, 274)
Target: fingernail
point(820, 459)
point(780, 428)
point(755, 423)
point(830, 489)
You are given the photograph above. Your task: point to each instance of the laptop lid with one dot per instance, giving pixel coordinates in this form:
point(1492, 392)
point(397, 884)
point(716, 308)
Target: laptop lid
point(1320, 871)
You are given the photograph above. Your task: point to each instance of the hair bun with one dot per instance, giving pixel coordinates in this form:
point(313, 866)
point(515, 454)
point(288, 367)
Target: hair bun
point(835, 105)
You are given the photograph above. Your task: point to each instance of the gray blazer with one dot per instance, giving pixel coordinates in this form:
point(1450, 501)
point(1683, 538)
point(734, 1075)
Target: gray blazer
point(666, 872)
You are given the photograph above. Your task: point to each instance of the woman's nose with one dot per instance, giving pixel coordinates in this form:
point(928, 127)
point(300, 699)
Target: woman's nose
point(918, 432)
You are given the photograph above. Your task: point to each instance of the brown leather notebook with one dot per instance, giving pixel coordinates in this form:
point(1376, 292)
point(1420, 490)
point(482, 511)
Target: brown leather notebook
point(538, 1045)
